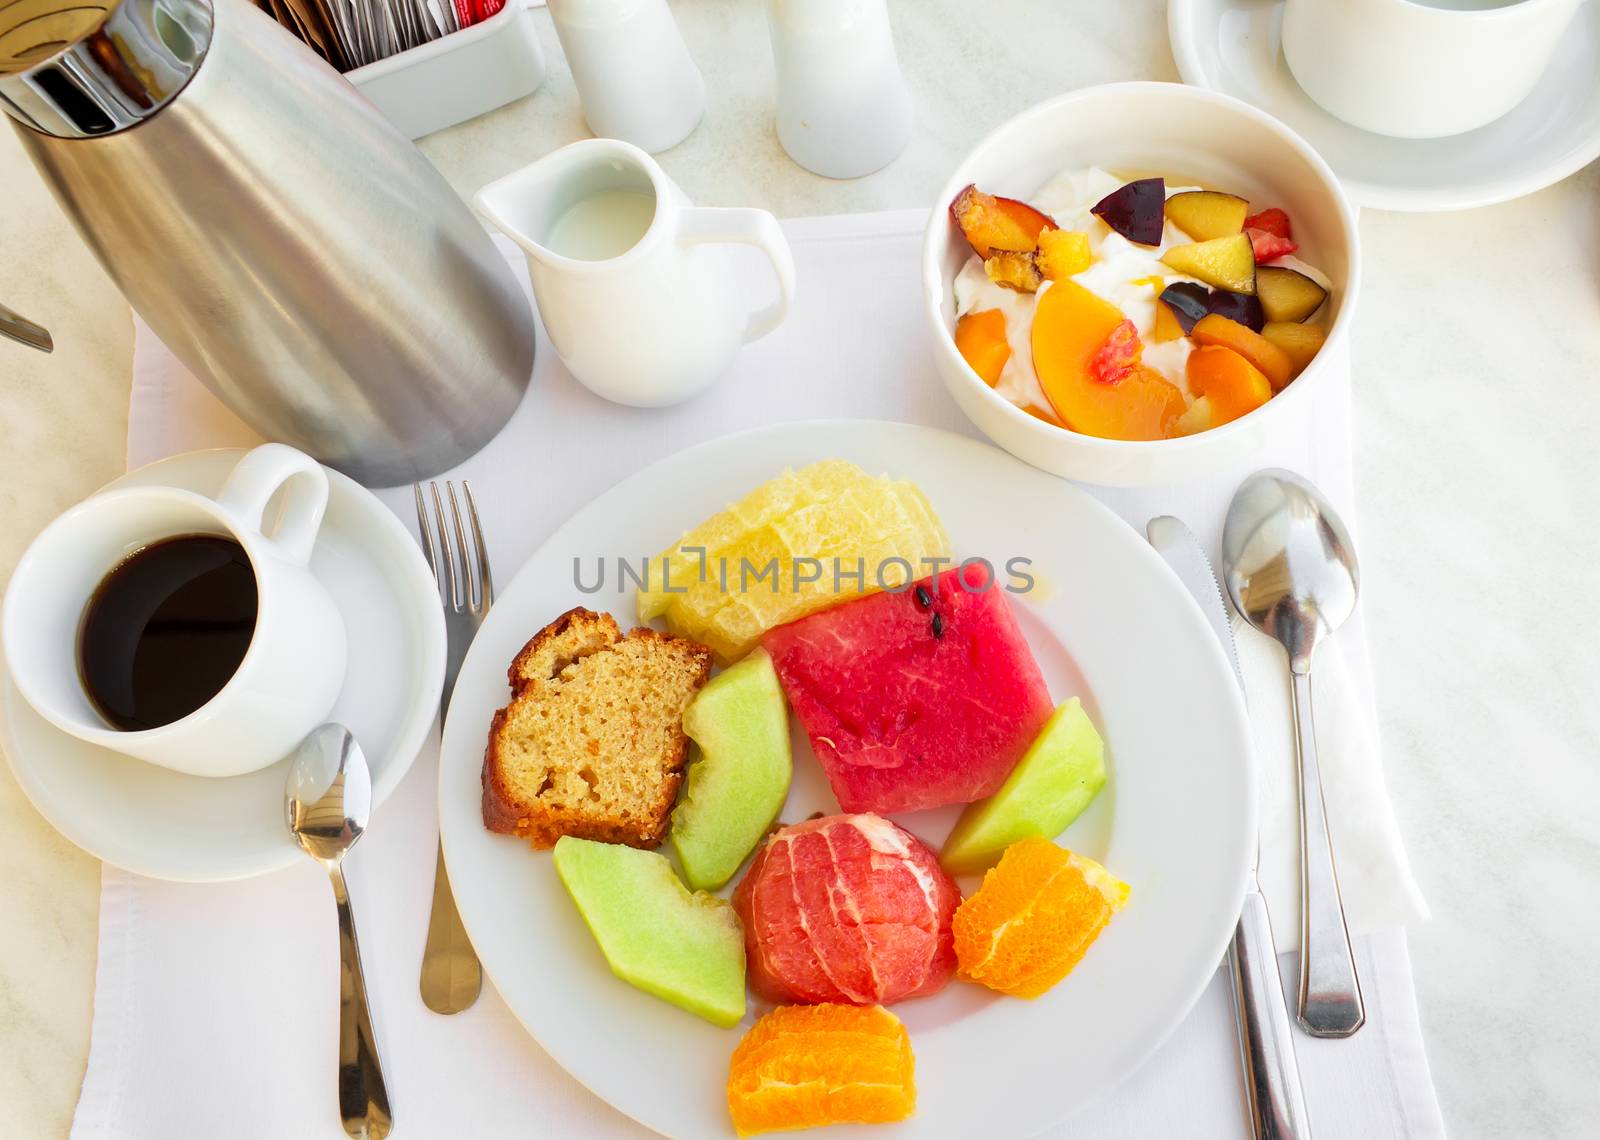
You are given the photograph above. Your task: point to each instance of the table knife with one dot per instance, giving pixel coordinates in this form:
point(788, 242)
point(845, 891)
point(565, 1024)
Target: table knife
point(19, 328)
point(1266, 1045)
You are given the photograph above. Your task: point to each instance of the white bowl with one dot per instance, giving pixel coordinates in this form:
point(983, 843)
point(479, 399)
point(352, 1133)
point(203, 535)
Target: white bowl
point(1189, 136)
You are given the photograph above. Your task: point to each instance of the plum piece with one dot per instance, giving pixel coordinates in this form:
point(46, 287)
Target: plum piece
point(1135, 210)
point(1287, 294)
point(1239, 307)
point(1225, 262)
point(990, 223)
point(1188, 302)
point(1300, 342)
point(1207, 214)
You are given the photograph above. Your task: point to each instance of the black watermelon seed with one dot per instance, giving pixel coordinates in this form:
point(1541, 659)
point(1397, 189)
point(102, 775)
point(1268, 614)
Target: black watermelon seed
point(924, 599)
point(938, 625)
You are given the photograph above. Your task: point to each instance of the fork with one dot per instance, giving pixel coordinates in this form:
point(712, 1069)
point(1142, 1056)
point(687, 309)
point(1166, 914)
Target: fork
point(452, 977)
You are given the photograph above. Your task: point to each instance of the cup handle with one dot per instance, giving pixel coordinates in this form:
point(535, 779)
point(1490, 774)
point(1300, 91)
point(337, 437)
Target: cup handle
point(259, 476)
point(703, 224)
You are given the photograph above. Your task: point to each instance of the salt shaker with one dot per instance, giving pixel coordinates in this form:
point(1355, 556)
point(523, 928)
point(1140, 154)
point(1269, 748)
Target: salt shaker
point(843, 108)
point(634, 75)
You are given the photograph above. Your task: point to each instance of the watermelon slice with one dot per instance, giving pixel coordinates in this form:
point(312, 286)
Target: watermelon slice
point(915, 699)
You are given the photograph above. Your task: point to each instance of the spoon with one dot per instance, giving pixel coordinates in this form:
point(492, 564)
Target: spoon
point(327, 803)
point(1291, 571)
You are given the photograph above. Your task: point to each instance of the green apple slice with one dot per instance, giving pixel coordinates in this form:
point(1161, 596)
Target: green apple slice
point(1062, 771)
point(685, 948)
point(737, 785)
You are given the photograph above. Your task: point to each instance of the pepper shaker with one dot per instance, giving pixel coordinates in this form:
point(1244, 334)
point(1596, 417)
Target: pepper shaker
point(843, 108)
point(634, 75)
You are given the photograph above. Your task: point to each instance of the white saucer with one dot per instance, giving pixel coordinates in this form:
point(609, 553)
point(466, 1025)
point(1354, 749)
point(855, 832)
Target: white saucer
point(1232, 46)
point(173, 826)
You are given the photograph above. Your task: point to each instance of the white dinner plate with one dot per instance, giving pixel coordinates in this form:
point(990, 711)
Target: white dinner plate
point(1107, 621)
point(1232, 46)
point(170, 825)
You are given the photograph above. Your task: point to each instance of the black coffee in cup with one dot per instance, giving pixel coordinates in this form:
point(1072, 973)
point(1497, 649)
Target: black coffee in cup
point(166, 629)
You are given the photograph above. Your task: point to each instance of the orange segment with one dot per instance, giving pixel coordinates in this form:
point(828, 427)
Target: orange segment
point(802, 1066)
point(981, 340)
point(1039, 909)
point(1075, 334)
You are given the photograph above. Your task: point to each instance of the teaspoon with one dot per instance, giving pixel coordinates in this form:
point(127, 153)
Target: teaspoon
point(327, 802)
point(1291, 571)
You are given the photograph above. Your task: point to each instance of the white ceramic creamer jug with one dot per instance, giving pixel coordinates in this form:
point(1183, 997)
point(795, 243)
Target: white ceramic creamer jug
point(634, 283)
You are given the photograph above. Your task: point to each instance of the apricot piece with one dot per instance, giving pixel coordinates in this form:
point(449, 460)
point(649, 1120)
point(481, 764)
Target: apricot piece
point(1230, 384)
point(1063, 253)
point(1016, 271)
point(1168, 326)
point(1087, 364)
point(981, 340)
point(990, 223)
point(1299, 342)
point(1271, 360)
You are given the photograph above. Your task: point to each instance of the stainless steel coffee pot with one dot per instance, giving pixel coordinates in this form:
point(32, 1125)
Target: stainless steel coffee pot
point(294, 250)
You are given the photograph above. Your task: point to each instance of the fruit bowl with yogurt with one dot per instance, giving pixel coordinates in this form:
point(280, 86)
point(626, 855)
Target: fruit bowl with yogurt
point(1132, 283)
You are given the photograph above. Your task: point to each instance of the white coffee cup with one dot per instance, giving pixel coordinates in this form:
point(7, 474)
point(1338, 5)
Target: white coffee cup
point(1421, 68)
point(295, 664)
point(633, 281)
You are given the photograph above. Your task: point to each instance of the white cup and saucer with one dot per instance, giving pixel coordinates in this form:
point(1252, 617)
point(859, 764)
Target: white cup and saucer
point(347, 627)
point(1417, 105)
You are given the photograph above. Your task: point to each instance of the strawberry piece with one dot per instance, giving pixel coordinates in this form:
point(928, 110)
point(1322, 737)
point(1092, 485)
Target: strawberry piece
point(1273, 221)
point(1114, 361)
point(1268, 246)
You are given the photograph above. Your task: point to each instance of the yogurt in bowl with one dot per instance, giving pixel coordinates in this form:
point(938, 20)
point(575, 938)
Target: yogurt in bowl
point(1094, 354)
point(1128, 275)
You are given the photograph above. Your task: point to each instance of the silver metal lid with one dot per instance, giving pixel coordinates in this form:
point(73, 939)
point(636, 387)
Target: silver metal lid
point(76, 70)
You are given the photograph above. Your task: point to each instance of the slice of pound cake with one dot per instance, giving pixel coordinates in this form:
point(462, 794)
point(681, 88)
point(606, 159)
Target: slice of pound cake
point(592, 743)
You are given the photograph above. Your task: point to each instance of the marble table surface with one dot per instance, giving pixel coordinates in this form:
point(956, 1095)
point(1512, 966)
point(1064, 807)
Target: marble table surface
point(1477, 399)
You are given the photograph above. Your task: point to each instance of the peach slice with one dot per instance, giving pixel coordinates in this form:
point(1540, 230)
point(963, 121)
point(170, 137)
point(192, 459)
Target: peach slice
point(1271, 360)
point(1088, 366)
point(981, 340)
point(990, 223)
point(1230, 384)
point(1299, 342)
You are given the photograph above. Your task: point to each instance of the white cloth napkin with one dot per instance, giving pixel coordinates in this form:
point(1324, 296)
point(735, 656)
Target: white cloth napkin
point(214, 1006)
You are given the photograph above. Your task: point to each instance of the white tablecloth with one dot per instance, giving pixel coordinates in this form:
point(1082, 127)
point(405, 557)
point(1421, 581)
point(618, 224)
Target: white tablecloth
point(215, 1004)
